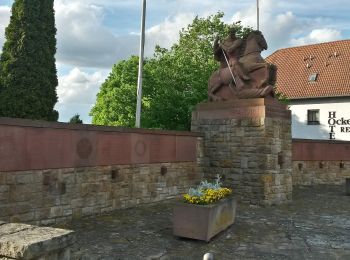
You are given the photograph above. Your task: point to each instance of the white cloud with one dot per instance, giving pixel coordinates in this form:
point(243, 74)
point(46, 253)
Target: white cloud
point(83, 40)
point(318, 36)
point(79, 87)
point(109, 3)
point(284, 29)
point(167, 32)
point(5, 13)
point(278, 28)
point(77, 93)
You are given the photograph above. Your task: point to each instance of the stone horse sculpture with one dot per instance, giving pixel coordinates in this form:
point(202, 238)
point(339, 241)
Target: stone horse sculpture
point(243, 72)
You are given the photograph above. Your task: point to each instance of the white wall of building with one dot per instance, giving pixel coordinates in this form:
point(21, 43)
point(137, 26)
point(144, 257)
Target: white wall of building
point(300, 128)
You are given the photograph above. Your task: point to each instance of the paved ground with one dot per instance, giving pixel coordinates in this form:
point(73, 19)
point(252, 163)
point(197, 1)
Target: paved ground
point(316, 225)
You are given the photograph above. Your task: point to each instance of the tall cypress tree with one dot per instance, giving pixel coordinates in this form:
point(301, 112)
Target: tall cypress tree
point(28, 72)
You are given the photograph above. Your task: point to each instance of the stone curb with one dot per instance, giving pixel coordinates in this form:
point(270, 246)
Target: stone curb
point(22, 241)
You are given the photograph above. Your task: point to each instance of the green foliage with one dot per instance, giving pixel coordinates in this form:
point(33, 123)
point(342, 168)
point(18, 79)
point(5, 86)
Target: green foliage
point(282, 97)
point(28, 73)
point(175, 80)
point(116, 101)
point(205, 185)
point(75, 119)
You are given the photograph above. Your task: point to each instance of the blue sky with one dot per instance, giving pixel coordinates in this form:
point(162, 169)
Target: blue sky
point(92, 35)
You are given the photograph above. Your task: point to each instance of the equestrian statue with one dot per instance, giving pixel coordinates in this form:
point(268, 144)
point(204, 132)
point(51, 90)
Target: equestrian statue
point(243, 72)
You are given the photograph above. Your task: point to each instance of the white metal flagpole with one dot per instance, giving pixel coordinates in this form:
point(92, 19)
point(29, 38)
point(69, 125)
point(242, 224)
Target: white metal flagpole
point(139, 80)
point(257, 14)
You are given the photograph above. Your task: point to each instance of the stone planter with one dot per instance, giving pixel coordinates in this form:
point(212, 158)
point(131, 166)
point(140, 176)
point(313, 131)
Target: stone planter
point(203, 222)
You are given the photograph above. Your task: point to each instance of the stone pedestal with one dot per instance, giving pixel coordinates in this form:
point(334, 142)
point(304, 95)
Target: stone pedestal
point(248, 142)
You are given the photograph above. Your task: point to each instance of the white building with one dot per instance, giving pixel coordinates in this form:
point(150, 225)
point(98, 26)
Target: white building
point(316, 80)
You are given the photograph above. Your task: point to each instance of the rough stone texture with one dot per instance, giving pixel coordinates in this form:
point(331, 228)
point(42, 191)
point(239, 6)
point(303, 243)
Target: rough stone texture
point(248, 143)
point(347, 186)
point(320, 172)
point(57, 195)
point(21, 241)
point(315, 226)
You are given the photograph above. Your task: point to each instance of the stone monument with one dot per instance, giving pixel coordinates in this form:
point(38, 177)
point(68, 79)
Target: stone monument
point(246, 130)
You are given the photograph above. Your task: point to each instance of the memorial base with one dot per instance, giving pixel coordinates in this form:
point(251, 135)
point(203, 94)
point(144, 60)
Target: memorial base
point(248, 143)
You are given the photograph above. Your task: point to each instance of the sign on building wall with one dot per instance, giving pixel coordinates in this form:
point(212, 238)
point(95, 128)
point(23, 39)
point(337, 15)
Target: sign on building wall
point(326, 119)
point(336, 124)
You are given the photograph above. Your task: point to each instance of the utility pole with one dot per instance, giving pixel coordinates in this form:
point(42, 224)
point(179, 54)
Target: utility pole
point(257, 14)
point(141, 54)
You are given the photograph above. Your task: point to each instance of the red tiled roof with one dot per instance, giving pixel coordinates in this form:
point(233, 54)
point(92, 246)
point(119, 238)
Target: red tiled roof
point(331, 62)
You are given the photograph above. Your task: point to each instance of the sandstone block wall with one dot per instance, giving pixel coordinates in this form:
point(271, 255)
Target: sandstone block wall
point(320, 162)
point(248, 143)
point(52, 172)
point(320, 172)
point(58, 195)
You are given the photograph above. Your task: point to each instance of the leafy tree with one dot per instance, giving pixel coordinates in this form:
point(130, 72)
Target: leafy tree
point(27, 64)
point(75, 119)
point(179, 76)
point(175, 80)
point(116, 101)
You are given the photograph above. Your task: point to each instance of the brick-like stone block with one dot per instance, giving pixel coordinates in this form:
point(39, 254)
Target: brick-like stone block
point(24, 178)
point(21, 241)
point(23, 217)
point(4, 188)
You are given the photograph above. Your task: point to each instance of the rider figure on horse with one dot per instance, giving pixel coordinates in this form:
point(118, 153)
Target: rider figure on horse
point(231, 47)
point(243, 72)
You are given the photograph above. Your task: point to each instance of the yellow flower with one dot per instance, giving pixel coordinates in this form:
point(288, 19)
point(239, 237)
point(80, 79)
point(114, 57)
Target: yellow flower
point(209, 196)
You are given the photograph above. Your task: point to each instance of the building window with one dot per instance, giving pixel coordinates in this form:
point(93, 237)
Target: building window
point(313, 77)
point(313, 117)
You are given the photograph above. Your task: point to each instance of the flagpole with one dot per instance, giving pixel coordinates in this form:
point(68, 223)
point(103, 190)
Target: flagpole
point(257, 14)
point(139, 80)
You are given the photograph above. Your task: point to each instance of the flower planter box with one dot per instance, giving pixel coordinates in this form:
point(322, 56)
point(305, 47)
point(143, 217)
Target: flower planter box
point(203, 222)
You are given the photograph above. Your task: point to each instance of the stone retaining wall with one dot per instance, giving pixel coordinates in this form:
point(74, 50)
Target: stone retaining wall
point(58, 195)
point(320, 162)
point(53, 172)
point(320, 172)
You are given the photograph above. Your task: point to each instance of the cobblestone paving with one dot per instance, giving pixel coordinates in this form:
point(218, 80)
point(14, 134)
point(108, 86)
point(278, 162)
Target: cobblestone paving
point(316, 225)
